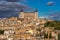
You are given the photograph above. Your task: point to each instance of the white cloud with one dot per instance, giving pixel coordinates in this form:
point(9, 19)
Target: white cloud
point(50, 3)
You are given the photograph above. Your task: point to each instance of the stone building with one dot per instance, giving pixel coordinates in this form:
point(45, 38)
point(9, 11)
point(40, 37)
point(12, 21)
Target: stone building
point(33, 15)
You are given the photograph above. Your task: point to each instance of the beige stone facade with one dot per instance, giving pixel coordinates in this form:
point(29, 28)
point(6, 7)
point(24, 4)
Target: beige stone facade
point(22, 28)
point(33, 15)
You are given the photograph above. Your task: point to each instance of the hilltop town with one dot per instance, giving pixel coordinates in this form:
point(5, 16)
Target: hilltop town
point(27, 26)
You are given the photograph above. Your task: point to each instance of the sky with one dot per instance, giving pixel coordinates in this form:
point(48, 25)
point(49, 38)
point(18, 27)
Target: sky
point(12, 7)
point(45, 7)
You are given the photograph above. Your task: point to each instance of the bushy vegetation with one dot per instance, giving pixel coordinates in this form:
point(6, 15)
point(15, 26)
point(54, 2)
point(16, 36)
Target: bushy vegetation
point(46, 35)
point(1, 31)
point(59, 36)
point(55, 24)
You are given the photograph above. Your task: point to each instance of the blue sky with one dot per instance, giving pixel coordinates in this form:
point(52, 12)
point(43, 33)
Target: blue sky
point(43, 8)
point(10, 8)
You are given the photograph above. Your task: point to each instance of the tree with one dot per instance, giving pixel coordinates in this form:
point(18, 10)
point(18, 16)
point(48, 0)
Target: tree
point(46, 35)
point(55, 24)
point(1, 31)
point(50, 36)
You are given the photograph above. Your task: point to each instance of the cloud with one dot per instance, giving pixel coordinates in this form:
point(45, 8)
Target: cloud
point(50, 3)
point(11, 8)
point(55, 16)
point(13, 0)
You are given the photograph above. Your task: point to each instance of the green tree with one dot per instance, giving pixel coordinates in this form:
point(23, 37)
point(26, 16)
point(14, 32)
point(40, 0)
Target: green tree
point(45, 35)
point(55, 24)
point(50, 36)
point(1, 31)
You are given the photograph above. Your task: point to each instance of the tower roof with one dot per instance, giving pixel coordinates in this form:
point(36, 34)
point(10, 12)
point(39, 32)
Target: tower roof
point(36, 11)
point(21, 11)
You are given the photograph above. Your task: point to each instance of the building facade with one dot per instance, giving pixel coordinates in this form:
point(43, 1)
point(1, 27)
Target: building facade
point(33, 15)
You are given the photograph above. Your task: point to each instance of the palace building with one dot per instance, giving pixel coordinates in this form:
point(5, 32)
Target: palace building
point(33, 15)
